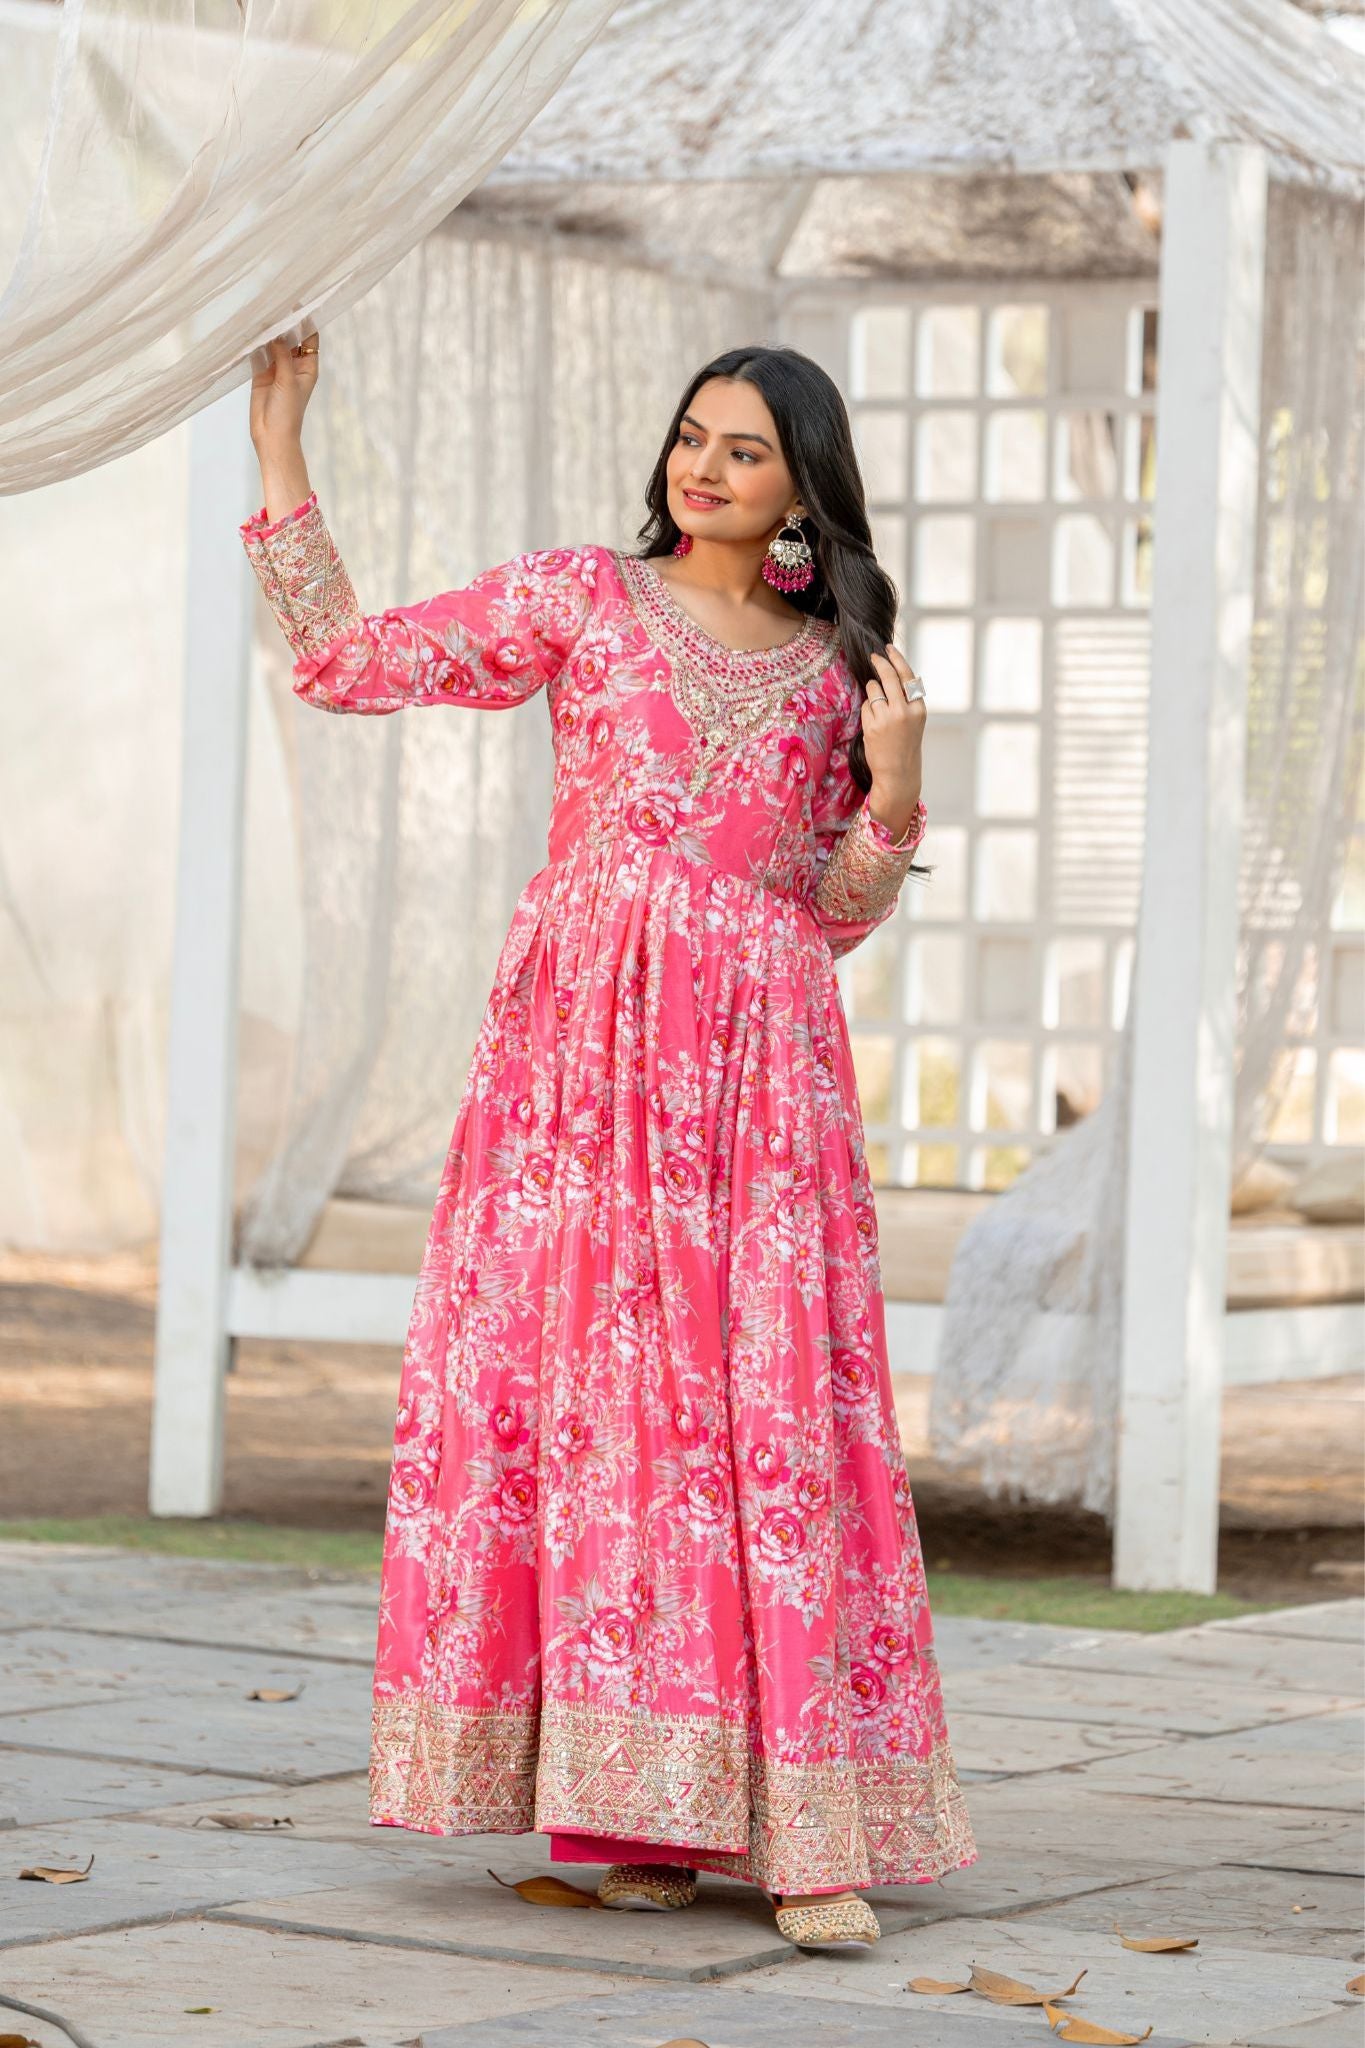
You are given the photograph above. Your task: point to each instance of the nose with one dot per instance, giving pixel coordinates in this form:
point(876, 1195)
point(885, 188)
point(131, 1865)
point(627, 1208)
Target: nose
point(706, 462)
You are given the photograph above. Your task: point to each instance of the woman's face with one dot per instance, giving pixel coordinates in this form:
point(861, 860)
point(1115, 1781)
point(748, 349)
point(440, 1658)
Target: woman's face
point(727, 476)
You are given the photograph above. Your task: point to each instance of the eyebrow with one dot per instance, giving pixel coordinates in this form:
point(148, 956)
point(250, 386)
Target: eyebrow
point(688, 420)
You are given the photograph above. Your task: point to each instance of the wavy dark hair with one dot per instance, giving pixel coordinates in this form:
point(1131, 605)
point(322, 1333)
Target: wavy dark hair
point(850, 586)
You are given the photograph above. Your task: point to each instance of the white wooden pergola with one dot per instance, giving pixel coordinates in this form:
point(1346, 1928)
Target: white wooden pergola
point(1174, 1328)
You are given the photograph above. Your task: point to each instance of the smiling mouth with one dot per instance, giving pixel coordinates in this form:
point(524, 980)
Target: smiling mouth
point(703, 500)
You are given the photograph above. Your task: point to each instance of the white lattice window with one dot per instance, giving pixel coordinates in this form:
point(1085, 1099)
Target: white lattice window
point(1007, 443)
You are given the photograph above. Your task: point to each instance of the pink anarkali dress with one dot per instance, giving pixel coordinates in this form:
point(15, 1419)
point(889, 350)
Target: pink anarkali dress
point(652, 1583)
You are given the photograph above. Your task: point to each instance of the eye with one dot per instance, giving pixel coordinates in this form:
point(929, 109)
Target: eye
point(747, 453)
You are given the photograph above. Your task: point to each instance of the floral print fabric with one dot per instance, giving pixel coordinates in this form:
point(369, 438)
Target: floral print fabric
point(651, 1567)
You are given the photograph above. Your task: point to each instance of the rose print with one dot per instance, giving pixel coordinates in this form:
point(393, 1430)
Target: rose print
point(411, 1486)
point(573, 1435)
point(769, 1464)
point(811, 1492)
point(651, 819)
point(504, 656)
point(508, 1424)
point(611, 1636)
point(681, 1177)
point(533, 1185)
point(779, 1535)
point(852, 1377)
point(688, 1423)
point(889, 1645)
point(868, 1688)
point(706, 1497)
point(514, 1501)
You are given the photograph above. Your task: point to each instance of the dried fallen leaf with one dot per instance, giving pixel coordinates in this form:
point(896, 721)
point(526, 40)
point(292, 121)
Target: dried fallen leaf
point(51, 1873)
point(1356, 1984)
point(549, 1891)
point(274, 1694)
point(932, 1988)
point(19, 2041)
point(246, 1820)
point(200, 2008)
point(1067, 2027)
point(1158, 1944)
point(1009, 1991)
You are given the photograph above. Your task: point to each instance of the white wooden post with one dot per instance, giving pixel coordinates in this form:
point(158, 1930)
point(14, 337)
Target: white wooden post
point(196, 1199)
point(1208, 412)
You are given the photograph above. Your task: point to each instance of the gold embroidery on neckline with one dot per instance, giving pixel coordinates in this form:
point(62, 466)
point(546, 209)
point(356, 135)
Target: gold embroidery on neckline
point(726, 694)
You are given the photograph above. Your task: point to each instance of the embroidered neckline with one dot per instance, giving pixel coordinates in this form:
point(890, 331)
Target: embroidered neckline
point(662, 610)
point(726, 694)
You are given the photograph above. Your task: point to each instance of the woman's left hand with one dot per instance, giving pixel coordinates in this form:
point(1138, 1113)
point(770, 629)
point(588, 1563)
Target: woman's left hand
point(893, 739)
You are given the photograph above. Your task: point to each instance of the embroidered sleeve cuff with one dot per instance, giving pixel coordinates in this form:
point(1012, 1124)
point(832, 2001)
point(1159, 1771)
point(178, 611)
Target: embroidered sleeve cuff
point(303, 576)
point(863, 875)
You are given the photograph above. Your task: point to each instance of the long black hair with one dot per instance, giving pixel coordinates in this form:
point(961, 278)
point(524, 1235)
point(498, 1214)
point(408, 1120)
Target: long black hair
point(850, 585)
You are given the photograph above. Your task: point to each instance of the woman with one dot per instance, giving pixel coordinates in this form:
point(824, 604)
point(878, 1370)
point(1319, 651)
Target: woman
point(652, 1583)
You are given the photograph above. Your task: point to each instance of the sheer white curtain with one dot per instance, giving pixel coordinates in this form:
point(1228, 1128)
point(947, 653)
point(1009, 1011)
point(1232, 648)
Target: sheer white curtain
point(489, 395)
point(184, 178)
point(1026, 1391)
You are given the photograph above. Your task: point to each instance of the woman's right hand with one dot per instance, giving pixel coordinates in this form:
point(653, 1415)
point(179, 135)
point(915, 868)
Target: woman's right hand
point(279, 396)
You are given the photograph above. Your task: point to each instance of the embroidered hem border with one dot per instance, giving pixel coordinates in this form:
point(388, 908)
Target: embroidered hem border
point(690, 1781)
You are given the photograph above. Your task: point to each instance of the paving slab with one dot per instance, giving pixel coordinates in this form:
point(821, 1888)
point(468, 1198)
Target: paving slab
point(1266, 1663)
point(1002, 1745)
point(1213, 1995)
point(45, 1668)
point(37, 1786)
point(280, 1607)
point(1232, 1907)
point(1330, 1620)
point(462, 1912)
point(195, 1709)
point(1311, 1763)
point(1174, 1703)
point(962, 1643)
point(1040, 1835)
point(1344, 2028)
point(737, 2016)
point(142, 1871)
point(130, 1990)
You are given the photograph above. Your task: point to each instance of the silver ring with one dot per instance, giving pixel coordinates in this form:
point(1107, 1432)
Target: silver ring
point(916, 691)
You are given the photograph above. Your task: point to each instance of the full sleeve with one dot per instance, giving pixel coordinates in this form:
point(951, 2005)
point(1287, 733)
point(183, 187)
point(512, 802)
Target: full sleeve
point(860, 866)
point(492, 643)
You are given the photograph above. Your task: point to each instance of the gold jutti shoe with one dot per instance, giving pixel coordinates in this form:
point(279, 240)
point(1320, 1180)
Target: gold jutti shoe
point(840, 1924)
point(648, 1887)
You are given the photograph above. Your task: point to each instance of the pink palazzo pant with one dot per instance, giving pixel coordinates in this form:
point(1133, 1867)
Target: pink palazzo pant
point(570, 1848)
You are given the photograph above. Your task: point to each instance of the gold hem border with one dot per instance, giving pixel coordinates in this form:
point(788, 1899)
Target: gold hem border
point(689, 1781)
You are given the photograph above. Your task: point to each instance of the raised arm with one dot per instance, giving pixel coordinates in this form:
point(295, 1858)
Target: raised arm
point(492, 643)
point(861, 863)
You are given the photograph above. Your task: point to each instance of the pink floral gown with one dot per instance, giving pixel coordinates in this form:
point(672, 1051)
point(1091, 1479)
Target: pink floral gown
point(651, 1580)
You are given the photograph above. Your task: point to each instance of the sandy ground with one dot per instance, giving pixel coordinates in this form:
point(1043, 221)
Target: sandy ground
point(309, 1428)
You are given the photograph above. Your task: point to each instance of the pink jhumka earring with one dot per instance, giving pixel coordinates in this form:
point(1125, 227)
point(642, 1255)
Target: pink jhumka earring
point(789, 564)
point(683, 544)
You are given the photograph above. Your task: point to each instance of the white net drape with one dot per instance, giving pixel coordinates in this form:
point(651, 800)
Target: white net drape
point(1026, 1389)
point(185, 178)
point(486, 398)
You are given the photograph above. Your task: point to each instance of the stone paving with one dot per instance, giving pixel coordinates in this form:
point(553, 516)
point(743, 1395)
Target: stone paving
point(1205, 1783)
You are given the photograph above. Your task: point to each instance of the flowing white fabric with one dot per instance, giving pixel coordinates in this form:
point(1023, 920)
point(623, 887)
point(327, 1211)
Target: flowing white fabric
point(545, 384)
point(185, 180)
point(1027, 1386)
point(822, 87)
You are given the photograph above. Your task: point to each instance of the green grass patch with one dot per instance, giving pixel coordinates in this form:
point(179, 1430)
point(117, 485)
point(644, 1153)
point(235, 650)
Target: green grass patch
point(244, 1542)
point(1067, 1603)
point(1081, 1603)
